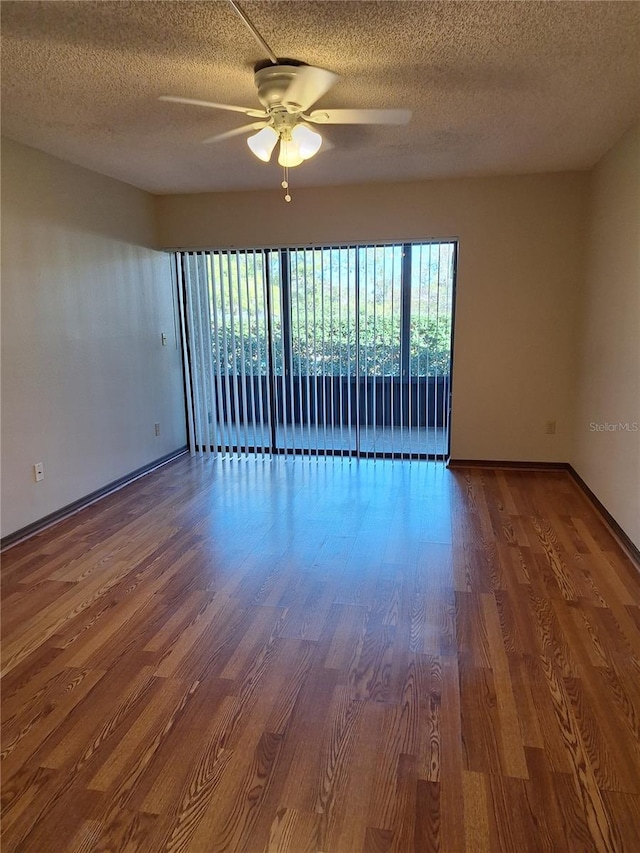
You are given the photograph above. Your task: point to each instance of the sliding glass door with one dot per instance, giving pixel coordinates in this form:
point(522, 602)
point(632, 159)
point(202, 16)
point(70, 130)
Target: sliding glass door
point(340, 350)
point(226, 325)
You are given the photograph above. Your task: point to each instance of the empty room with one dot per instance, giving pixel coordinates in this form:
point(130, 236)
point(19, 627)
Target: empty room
point(320, 426)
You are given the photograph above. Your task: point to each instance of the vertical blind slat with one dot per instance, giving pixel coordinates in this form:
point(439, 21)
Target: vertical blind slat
point(250, 340)
point(287, 348)
point(200, 404)
point(210, 384)
point(222, 423)
point(222, 263)
point(182, 296)
point(203, 375)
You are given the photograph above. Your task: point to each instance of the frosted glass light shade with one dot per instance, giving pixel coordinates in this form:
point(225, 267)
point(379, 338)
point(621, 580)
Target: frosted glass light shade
point(308, 140)
point(289, 153)
point(263, 143)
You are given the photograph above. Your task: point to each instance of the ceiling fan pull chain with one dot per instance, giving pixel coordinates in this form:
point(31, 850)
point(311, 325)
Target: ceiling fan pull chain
point(285, 183)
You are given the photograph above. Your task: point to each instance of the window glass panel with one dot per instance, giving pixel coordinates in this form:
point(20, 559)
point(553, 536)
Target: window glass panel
point(380, 310)
point(431, 308)
point(323, 323)
point(240, 308)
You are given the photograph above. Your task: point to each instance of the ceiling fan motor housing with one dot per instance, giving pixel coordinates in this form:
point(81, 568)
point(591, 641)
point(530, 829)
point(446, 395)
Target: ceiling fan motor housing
point(272, 83)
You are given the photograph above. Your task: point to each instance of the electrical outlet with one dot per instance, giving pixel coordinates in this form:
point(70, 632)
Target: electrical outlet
point(550, 428)
point(163, 338)
point(157, 429)
point(38, 471)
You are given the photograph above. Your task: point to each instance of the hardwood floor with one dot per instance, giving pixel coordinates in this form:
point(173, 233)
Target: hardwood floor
point(323, 656)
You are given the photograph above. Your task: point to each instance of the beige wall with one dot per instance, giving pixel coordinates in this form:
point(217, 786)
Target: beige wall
point(84, 302)
point(548, 314)
point(609, 363)
point(520, 255)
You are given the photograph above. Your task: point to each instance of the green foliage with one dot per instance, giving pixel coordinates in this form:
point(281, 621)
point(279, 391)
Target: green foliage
point(330, 348)
point(429, 346)
point(323, 300)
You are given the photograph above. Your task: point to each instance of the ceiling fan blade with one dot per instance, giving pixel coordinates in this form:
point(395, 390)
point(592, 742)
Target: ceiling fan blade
point(359, 116)
point(308, 85)
point(248, 111)
point(237, 131)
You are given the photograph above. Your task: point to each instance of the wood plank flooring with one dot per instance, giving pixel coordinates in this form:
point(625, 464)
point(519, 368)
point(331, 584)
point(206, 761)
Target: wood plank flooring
point(295, 655)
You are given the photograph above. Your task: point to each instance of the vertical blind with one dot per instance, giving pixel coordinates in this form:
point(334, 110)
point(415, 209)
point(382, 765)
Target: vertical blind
point(333, 350)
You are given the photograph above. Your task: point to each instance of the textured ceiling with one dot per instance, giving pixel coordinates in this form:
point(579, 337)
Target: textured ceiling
point(495, 87)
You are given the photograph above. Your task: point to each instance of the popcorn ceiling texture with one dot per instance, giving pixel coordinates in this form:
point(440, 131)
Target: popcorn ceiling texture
point(495, 87)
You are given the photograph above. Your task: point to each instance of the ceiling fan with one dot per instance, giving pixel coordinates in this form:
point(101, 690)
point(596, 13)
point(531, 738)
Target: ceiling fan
point(287, 89)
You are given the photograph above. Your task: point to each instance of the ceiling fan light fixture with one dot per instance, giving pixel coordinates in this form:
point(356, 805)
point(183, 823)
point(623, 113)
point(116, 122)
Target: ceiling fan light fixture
point(263, 143)
point(289, 154)
point(308, 140)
